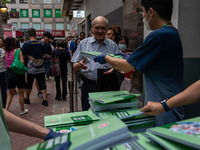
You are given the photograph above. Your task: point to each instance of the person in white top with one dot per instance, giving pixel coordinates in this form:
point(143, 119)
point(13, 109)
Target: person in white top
point(3, 73)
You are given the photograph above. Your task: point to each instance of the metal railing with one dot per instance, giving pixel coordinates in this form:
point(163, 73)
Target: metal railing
point(73, 90)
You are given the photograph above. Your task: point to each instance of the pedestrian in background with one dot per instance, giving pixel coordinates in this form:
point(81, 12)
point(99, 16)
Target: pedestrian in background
point(117, 30)
point(82, 35)
point(3, 69)
point(14, 80)
point(45, 41)
point(63, 56)
point(123, 43)
point(111, 34)
point(35, 53)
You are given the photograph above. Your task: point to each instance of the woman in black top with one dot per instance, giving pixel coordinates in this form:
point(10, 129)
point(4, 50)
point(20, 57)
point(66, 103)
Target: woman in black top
point(64, 56)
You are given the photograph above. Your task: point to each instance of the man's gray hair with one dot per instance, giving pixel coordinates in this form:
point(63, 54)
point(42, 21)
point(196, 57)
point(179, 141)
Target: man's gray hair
point(93, 21)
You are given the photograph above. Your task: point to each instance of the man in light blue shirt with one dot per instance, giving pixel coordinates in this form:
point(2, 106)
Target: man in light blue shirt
point(87, 66)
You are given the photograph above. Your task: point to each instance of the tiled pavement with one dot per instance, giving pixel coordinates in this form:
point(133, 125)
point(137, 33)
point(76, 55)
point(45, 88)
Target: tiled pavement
point(36, 114)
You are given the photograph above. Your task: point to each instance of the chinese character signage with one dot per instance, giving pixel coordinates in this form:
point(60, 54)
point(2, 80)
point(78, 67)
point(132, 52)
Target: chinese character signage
point(58, 13)
point(14, 14)
point(24, 13)
point(56, 33)
point(79, 14)
point(48, 13)
point(35, 13)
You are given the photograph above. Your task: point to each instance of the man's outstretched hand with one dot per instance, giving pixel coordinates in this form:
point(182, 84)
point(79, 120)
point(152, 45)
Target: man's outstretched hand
point(153, 108)
point(101, 58)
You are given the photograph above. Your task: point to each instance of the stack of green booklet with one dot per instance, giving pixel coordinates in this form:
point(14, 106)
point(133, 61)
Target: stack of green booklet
point(70, 119)
point(138, 142)
point(92, 55)
point(148, 141)
point(185, 132)
point(96, 136)
point(133, 118)
point(112, 100)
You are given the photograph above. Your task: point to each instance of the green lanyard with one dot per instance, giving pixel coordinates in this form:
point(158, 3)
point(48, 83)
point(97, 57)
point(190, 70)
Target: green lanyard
point(166, 24)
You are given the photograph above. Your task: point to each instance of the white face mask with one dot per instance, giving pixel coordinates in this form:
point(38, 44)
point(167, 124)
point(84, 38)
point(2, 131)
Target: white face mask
point(122, 47)
point(146, 23)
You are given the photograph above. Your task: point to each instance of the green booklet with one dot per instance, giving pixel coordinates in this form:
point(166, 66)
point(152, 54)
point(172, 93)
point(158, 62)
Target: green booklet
point(98, 107)
point(140, 142)
point(99, 135)
point(185, 132)
point(133, 118)
point(165, 143)
point(124, 114)
point(112, 97)
point(70, 119)
point(93, 54)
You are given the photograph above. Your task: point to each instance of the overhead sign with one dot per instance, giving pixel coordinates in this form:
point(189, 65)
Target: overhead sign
point(79, 14)
point(14, 14)
point(36, 13)
point(24, 13)
point(58, 13)
point(48, 13)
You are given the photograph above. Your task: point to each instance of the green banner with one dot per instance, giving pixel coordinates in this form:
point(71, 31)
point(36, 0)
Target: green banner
point(48, 13)
point(24, 13)
point(36, 13)
point(58, 13)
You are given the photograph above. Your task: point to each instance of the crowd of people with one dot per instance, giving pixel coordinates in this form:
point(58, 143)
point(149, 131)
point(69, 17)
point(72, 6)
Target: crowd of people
point(37, 56)
point(163, 78)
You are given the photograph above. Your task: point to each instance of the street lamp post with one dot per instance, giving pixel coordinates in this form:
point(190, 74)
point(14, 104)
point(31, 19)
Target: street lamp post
point(3, 9)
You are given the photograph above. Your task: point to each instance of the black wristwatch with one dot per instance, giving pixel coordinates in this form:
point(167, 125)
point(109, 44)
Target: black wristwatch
point(164, 104)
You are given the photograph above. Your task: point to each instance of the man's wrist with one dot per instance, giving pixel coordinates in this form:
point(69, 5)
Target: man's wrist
point(165, 106)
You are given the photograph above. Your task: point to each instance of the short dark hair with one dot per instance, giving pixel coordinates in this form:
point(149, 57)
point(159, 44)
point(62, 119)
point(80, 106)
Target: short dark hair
point(82, 33)
point(112, 30)
point(61, 43)
point(17, 43)
point(47, 34)
point(22, 40)
point(31, 32)
point(164, 8)
point(122, 37)
point(10, 44)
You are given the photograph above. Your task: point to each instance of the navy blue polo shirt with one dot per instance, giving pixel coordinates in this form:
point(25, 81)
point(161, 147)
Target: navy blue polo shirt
point(160, 59)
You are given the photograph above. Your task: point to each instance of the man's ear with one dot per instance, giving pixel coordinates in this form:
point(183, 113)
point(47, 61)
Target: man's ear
point(151, 12)
point(92, 29)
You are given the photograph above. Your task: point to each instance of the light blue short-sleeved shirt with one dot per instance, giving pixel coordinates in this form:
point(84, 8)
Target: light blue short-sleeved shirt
point(88, 45)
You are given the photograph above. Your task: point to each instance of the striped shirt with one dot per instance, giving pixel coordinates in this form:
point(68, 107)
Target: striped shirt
point(90, 44)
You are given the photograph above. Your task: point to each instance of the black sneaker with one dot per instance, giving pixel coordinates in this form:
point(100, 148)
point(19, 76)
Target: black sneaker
point(27, 101)
point(39, 94)
point(58, 98)
point(45, 102)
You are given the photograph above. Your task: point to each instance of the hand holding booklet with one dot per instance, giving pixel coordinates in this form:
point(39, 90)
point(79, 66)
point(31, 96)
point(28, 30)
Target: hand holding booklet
point(91, 137)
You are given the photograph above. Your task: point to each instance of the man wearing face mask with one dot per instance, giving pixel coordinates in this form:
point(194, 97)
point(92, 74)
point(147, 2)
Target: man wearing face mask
point(159, 57)
point(73, 43)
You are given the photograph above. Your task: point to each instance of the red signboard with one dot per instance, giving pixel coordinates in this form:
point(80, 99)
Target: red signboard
point(14, 14)
point(56, 33)
point(19, 34)
point(39, 33)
